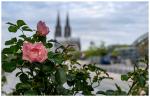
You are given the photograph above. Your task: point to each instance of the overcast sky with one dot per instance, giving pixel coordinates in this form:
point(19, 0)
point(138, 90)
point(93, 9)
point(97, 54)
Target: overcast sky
point(111, 22)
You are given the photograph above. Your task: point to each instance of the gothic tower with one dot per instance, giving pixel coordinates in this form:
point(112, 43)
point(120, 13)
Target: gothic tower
point(58, 28)
point(67, 28)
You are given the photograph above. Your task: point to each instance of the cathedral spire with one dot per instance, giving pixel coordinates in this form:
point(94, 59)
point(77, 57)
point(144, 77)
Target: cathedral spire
point(67, 27)
point(58, 20)
point(67, 21)
point(58, 27)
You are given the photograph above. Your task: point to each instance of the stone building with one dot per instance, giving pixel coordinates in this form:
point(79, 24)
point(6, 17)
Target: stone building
point(65, 39)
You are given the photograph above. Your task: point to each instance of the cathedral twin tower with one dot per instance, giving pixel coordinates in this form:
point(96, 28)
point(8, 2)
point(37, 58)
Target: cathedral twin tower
point(65, 39)
point(67, 31)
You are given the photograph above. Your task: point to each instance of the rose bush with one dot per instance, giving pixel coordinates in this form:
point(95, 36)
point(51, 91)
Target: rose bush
point(45, 72)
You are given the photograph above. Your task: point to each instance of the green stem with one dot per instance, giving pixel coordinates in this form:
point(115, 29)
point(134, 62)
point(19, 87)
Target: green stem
point(21, 70)
point(22, 67)
point(31, 70)
point(129, 92)
point(22, 32)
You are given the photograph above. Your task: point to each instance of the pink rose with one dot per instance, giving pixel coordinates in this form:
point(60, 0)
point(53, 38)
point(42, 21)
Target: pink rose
point(42, 29)
point(34, 52)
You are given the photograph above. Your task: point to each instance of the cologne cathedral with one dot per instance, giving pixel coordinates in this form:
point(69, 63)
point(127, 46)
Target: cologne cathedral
point(65, 38)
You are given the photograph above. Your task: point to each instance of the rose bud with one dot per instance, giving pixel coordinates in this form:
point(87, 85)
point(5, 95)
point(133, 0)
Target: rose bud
point(42, 29)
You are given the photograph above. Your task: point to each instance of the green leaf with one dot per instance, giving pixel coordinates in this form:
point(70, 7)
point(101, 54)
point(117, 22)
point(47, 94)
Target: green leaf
point(92, 67)
point(70, 79)
point(141, 80)
point(12, 41)
point(124, 77)
point(6, 51)
point(42, 39)
point(23, 86)
point(110, 92)
point(57, 58)
point(71, 49)
point(48, 67)
point(65, 66)
point(49, 45)
point(11, 24)
point(26, 28)
point(62, 91)
point(50, 55)
point(22, 36)
point(4, 57)
point(86, 92)
point(9, 66)
point(90, 88)
point(122, 93)
point(95, 79)
point(101, 92)
point(52, 40)
point(18, 73)
point(12, 29)
point(30, 93)
point(14, 48)
point(29, 73)
point(29, 39)
point(4, 79)
point(20, 23)
point(19, 60)
point(60, 76)
point(23, 78)
point(8, 58)
point(20, 43)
